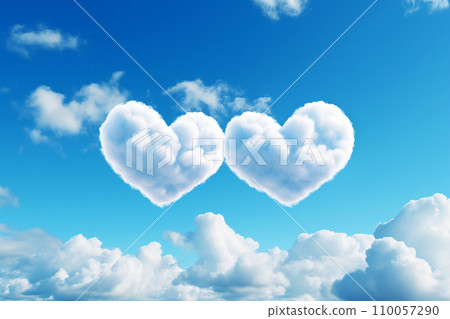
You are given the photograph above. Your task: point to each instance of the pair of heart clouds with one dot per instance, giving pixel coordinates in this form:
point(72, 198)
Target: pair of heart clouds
point(285, 181)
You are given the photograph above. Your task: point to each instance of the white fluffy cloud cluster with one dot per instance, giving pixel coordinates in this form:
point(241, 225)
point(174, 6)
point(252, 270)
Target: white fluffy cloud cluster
point(410, 258)
point(395, 265)
point(89, 105)
point(35, 265)
point(218, 99)
point(179, 175)
point(288, 172)
point(232, 266)
point(7, 198)
point(274, 8)
point(22, 39)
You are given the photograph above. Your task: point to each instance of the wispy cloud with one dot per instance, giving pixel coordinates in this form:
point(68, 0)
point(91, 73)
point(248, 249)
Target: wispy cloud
point(7, 198)
point(37, 137)
point(275, 8)
point(432, 5)
point(395, 264)
point(219, 99)
point(22, 39)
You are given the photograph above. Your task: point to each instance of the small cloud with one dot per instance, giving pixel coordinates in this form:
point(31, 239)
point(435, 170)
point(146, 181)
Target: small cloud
point(22, 39)
point(7, 198)
point(89, 105)
point(275, 8)
point(432, 5)
point(116, 76)
point(218, 99)
point(179, 240)
point(4, 89)
point(37, 137)
point(198, 95)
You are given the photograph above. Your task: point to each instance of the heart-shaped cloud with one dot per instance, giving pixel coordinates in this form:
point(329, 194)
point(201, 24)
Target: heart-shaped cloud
point(262, 153)
point(157, 159)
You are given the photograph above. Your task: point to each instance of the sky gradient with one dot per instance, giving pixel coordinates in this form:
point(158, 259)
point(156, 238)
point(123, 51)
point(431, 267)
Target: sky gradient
point(390, 74)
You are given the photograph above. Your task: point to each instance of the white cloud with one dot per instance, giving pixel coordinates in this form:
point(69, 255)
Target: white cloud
point(275, 8)
point(198, 94)
point(311, 273)
point(230, 264)
point(89, 105)
point(179, 176)
point(393, 273)
point(22, 39)
point(432, 5)
point(35, 265)
point(423, 224)
point(7, 198)
point(323, 123)
point(410, 259)
point(37, 137)
point(178, 239)
point(217, 100)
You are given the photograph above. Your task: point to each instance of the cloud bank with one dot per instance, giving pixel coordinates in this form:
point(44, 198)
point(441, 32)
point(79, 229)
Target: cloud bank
point(179, 175)
point(273, 9)
point(232, 266)
point(22, 39)
point(431, 5)
point(35, 265)
point(90, 104)
point(287, 172)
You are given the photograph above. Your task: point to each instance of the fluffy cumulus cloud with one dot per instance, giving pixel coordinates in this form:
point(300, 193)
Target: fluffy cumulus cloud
point(289, 162)
point(22, 39)
point(410, 259)
point(393, 266)
point(432, 5)
point(394, 273)
point(160, 160)
point(218, 99)
point(35, 265)
point(422, 224)
point(7, 198)
point(275, 8)
point(53, 113)
point(232, 266)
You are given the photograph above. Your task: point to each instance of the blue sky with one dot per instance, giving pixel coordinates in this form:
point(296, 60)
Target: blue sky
point(390, 74)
